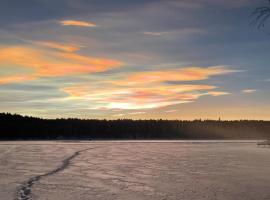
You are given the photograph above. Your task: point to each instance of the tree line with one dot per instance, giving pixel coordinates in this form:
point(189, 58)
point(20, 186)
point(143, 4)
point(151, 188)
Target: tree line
point(17, 127)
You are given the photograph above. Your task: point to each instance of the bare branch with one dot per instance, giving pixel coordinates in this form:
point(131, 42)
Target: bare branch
point(260, 15)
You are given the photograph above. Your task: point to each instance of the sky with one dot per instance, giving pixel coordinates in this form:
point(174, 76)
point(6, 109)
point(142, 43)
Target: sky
point(143, 59)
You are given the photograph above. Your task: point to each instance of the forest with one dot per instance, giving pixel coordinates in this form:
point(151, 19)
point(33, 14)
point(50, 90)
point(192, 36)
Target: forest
point(17, 127)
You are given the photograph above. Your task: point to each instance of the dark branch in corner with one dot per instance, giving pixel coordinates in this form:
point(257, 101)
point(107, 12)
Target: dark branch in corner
point(260, 15)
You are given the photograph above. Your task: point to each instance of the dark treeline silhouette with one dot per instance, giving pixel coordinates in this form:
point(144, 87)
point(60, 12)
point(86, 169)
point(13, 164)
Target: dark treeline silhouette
point(16, 127)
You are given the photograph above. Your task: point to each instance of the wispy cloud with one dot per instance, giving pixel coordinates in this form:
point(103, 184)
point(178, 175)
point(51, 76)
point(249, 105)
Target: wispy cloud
point(119, 115)
point(154, 33)
point(77, 23)
point(249, 91)
point(146, 97)
point(136, 113)
point(147, 90)
point(176, 32)
point(217, 93)
point(127, 114)
point(183, 74)
point(16, 79)
point(57, 46)
point(171, 111)
point(49, 63)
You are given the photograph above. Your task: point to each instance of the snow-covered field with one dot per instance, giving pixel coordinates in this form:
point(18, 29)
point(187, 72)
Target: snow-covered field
point(134, 170)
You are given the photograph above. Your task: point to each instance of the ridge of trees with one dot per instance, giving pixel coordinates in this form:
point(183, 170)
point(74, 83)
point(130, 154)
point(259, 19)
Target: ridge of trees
point(16, 127)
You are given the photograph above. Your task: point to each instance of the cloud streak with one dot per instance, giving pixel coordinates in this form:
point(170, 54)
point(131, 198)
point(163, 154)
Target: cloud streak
point(147, 97)
point(126, 114)
point(58, 46)
point(249, 91)
point(217, 93)
point(148, 90)
point(155, 33)
point(77, 23)
point(183, 74)
point(48, 63)
point(16, 79)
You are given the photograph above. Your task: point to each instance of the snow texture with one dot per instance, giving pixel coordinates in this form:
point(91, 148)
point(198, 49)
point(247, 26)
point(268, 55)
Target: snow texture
point(126, 170)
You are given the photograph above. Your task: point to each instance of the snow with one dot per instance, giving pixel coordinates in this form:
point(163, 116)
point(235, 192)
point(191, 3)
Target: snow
point(45, 170)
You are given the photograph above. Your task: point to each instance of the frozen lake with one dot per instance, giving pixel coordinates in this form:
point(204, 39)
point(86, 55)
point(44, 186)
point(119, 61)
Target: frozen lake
point(134, 170)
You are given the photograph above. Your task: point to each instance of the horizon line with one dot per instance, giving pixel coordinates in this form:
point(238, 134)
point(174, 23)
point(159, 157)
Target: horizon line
point(116, 119)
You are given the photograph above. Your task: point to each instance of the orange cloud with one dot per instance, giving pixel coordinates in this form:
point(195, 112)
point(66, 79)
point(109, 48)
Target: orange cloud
point(58, 46)
point(217, 93)
point(53, 63)
point(154, 96)
point(77, 23)
point(77, 91)
point(146, 90)
point(69, 64)
point(15, 79)
point(171, 111)
point(184, 74)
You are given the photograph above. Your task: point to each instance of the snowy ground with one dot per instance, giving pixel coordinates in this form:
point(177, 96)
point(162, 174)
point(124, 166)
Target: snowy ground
point(134, 170)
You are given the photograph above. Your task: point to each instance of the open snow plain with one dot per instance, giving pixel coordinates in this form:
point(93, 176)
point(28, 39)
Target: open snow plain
point(165, 170)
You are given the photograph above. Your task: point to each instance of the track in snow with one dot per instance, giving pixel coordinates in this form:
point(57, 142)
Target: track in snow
point(25, 191)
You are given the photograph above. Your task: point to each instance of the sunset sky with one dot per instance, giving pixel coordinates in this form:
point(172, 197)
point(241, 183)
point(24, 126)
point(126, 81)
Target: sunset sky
point(170, 59)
